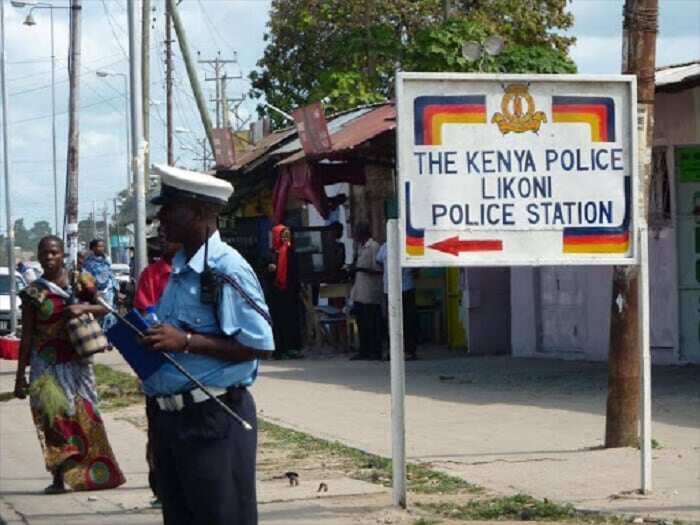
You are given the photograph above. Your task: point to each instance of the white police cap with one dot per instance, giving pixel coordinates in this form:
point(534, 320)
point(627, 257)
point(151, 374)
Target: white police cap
point(176, 182)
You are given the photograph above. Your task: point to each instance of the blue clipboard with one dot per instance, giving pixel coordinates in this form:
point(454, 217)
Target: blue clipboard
point(142, 360)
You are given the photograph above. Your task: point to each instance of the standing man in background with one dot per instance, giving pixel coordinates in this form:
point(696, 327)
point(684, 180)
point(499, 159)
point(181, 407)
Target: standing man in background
point(408, 294)
point(366, 294)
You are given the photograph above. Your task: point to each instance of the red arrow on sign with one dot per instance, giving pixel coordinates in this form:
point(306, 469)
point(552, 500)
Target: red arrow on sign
point(455, 245)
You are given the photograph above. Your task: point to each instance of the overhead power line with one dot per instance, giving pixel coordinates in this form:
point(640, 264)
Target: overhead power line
point(112, 23)
point(39, 117)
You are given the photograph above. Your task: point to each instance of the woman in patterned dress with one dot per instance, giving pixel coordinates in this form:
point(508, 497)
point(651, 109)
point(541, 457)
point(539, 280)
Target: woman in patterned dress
point(74, 442)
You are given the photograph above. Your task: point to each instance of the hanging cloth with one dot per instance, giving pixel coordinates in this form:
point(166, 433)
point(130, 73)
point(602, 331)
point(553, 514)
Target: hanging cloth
point(282, 248)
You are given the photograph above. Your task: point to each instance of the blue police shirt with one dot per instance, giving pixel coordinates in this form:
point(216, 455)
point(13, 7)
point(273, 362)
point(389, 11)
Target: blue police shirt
point(180, 305)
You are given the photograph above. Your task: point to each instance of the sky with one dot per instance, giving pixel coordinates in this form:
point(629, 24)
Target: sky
point(233, 28)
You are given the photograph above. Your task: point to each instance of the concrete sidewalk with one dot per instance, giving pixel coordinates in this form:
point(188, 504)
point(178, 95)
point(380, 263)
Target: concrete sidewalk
point(511, 425)
point(23, 478)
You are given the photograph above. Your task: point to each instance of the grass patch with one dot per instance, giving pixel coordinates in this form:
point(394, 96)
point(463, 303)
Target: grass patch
point(116, 389)
point(426, 521)
point(520, 507)
point(655, 445)
point(365, 466)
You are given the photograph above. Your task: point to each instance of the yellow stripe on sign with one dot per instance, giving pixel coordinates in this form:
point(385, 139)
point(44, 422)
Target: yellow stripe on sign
point(450, 118)
point(580, 118)
point(596, 248)
point(415, 250)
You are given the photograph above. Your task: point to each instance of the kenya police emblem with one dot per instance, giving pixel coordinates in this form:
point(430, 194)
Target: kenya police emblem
point(517, 119)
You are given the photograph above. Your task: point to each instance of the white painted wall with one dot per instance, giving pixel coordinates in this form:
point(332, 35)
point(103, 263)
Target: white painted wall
point(677, 123)
point(594, 282)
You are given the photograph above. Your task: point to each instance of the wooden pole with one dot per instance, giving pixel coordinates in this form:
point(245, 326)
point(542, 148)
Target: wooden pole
point(191, 73)
point(624, 360)
point(73, 132)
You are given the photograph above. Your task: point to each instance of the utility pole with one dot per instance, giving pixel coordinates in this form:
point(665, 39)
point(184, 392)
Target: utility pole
point(53, 130)
point(116, 227)
point(206, 157)
point(137, 145)
point(169, 83)
point(73, 132)
point(108, 241)
point(218, 66)
point(224, 103)
point(191, 73)
point(145, 84)
point(94, 219)
point(10, 226)
point(225, 100)
point(624, 360)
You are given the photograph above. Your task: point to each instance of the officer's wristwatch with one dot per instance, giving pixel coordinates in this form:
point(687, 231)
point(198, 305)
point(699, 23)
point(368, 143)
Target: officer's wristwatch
point(188, 339)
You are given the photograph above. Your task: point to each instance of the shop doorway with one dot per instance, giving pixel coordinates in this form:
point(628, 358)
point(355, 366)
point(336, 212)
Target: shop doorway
point(688, 206)
point(562, 313)
point(488, 311)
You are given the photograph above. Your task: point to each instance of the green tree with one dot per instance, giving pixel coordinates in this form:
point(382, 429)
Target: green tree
point(438, 48)
point(345, 52)
point(3, 250)
point(22, 236)
point(39, 230)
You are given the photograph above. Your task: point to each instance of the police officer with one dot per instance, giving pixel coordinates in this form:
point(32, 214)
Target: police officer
point(205, 458)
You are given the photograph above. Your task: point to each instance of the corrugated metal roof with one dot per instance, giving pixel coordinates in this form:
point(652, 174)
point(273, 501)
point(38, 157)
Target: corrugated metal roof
point(669, 75)
point(334, 125)
point(262, 147)
point(363, 126)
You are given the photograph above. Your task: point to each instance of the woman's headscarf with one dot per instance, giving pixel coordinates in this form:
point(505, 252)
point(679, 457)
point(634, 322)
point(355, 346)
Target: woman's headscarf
point(282, 248)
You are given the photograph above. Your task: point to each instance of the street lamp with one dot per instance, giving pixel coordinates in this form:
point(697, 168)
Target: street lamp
point(104, 73)
point(30, 21)
point(8, 177)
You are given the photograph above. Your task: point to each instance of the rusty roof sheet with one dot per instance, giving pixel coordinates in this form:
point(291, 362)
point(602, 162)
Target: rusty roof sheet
point(354, 132)
point(262, 147)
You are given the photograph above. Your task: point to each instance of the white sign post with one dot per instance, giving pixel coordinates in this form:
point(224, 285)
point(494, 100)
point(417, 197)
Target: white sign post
point(398, 369)
point(508, 170)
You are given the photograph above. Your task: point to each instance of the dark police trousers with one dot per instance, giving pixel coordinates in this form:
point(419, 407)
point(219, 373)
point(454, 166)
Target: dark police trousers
point(206, 462)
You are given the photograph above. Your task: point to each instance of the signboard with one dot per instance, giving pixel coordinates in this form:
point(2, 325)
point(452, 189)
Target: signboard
point(516, 169)
point(224, 152)
point(313, 129)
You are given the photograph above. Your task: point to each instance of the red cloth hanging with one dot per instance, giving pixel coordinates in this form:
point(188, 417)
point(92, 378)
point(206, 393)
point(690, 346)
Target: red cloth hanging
point(282, 247)
point(306, 181)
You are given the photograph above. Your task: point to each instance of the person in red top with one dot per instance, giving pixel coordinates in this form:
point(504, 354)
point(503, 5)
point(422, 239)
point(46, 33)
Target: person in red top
point(152, 283)
point(154, 277)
